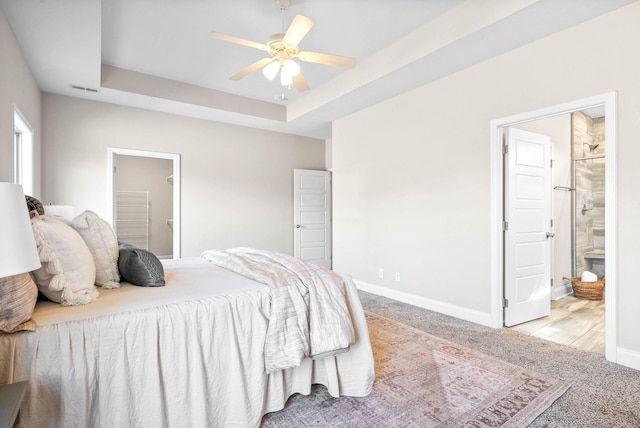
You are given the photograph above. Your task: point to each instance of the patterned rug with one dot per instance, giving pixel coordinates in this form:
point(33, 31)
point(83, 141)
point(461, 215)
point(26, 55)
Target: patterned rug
point(424, 381)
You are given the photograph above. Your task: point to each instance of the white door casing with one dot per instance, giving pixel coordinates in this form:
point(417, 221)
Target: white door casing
point(312, 216)
point(610, 103)
point(528, 223)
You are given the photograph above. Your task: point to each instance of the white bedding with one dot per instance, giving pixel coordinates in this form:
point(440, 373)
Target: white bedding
point(308, 316)
point(190, 354)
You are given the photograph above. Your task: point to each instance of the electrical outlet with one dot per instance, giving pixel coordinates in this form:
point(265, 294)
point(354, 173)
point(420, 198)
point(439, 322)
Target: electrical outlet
point(380, 272)
point(397, 276)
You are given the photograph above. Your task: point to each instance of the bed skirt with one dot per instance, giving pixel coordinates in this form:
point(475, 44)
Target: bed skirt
point(185, 356)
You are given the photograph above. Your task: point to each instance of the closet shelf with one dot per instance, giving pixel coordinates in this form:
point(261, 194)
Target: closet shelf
point(132, 222)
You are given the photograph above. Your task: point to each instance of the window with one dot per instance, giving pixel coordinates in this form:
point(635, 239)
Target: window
point(23, 170)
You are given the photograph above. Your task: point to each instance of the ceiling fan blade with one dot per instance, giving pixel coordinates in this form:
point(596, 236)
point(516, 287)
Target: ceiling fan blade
point(334, 60)
point(297, 30)
point(253, 67)
point(238, 40)
point(300, 83)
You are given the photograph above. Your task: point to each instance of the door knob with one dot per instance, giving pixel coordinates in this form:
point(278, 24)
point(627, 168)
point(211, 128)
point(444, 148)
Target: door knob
point(550, 235)
point(298, 226)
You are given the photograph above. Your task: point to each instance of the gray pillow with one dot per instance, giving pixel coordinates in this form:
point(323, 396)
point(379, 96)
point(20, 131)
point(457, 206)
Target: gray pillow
point(139, 266)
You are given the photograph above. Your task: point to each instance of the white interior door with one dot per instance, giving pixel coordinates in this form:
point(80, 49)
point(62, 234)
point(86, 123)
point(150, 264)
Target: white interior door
point(528, 224)
point(312, 216)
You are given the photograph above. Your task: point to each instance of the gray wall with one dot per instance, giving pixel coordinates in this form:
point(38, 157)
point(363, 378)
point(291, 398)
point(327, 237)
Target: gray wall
point(18, 86)
point(237, 183)
point(412, 175)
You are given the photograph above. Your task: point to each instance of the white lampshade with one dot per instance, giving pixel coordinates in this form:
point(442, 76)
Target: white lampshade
point(271, 70)
point(292, 67)
point(285, 77)
point(18, 252)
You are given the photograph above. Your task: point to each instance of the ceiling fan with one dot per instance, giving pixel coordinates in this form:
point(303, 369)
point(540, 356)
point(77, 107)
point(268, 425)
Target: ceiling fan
point(282, 47)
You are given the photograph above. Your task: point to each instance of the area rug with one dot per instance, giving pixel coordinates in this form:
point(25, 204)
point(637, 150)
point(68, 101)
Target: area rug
point(425, 381)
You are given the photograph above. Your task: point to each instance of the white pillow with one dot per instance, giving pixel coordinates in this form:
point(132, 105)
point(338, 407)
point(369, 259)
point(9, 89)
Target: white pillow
point(103, 244)
point(68, 272)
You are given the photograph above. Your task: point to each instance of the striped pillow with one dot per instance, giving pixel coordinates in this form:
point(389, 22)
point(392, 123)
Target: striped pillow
point(34, 204)
point(18, 296)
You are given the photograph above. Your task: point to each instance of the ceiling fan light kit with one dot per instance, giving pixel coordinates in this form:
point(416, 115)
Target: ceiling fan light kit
point(271, 70)
point(285, 78)
point(287, 69)
point(282, 47)
point(292, 67)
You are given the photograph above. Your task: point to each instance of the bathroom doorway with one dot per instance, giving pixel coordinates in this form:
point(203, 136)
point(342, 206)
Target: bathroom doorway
point(578, 243)
point(563, 190)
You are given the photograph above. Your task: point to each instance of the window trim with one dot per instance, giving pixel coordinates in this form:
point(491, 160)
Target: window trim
point(23, 152)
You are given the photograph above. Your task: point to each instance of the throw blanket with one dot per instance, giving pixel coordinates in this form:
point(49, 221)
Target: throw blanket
point(309, 316)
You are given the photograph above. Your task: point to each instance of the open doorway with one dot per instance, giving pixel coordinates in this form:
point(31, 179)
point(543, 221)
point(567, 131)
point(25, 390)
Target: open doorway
point(577, 244)
point(608, 102)
point(135, 177)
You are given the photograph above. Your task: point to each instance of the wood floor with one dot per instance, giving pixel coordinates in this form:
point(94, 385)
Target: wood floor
point(573, 321)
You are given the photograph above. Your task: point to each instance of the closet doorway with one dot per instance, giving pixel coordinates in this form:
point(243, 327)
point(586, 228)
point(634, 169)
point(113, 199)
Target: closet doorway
point(144, 200)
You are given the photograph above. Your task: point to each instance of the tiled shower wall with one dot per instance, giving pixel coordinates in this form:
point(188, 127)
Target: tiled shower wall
point(589, 185)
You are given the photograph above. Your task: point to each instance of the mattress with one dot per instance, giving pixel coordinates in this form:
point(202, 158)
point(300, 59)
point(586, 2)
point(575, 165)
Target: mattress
point(190, 354)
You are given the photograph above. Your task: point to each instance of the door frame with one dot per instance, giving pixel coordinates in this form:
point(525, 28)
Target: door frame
point(112, 152)
point(609, 101)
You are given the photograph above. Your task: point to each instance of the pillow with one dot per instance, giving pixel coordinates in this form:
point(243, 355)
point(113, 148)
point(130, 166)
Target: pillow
point(68, 272)
point(103, 244)
point(34, 204)
point(140, 267)
point(18, 296)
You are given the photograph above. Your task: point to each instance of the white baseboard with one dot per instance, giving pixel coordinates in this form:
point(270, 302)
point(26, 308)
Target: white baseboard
point(628, 358)
point(625, 357)
point(466, 314)
point(560, 292)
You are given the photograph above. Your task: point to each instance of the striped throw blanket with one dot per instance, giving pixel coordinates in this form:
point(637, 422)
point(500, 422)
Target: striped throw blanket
point(308, 317)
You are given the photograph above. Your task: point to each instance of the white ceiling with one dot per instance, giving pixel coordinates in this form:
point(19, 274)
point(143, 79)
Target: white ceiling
point(156, 53)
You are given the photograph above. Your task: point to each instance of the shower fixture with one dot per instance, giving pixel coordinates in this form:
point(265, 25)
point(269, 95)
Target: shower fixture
point(592, 147)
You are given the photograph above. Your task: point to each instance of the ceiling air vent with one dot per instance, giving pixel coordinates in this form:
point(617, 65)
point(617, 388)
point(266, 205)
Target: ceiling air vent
point(82, 88)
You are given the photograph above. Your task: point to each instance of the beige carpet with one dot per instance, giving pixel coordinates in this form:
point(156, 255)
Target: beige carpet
point(424, 381)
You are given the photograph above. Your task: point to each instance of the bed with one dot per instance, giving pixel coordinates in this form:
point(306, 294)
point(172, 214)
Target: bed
point(189, 354)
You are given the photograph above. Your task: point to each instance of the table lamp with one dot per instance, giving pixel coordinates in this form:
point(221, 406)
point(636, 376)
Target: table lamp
point(18, 251)
point(18, 256)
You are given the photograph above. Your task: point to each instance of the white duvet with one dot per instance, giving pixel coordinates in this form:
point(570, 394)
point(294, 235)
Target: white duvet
point(309, 315)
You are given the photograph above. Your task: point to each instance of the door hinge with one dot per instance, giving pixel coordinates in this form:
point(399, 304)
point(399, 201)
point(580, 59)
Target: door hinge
point(551, 162)
point(505, 303)
point(505, 226)
point(551, 222)
point(551, 282)
point(505, 149)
